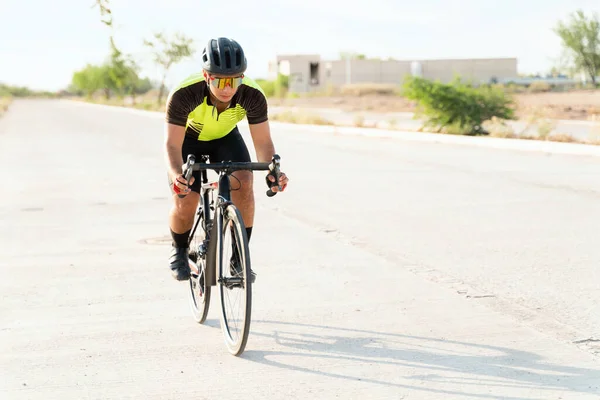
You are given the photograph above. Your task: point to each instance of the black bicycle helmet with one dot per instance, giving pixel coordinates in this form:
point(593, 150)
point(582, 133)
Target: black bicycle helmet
point(224, 56)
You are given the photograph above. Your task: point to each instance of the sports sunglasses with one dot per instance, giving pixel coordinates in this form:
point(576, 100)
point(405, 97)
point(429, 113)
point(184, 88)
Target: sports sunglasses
point(221, 83)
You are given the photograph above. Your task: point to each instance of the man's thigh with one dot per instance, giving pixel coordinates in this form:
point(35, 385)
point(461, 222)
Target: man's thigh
point(229, 148)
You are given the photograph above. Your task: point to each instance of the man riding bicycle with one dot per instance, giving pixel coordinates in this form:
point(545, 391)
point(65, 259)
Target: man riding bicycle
point(202, 113)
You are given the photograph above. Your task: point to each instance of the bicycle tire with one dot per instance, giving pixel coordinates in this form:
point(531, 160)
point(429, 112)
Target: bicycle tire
point(197, 282)
point(231, 215)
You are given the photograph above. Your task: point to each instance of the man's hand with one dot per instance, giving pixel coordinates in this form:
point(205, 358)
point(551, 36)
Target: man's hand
point(181, 185)
point(283, 181)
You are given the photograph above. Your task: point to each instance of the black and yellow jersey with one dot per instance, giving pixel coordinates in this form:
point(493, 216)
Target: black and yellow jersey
point(189, 105)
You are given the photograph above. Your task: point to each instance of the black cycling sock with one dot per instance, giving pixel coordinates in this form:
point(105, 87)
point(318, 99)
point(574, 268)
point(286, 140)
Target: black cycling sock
point(180, 239)
point(233, 244)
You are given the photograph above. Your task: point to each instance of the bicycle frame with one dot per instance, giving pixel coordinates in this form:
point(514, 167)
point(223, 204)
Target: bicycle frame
point(210, 252)
point(223, 200)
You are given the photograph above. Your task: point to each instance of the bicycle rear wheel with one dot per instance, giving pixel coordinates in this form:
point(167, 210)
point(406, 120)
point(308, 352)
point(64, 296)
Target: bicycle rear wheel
point(235, 288)
point(199, 289)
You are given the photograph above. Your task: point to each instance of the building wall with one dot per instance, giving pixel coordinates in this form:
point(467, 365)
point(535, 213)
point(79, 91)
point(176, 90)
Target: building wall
point(364, 71)
point(478, 70)
point(391, 71)
point(298, 68)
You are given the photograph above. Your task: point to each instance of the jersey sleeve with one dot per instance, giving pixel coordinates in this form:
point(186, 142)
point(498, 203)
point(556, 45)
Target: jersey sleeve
point(178, 107)
point(256, 106)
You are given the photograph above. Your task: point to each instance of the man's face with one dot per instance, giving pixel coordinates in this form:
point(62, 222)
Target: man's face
point(223, 87)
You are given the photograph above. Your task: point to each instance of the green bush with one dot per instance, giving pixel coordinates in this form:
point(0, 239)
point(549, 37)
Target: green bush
point(267, 86)
point(277, 88)
point(457, 108)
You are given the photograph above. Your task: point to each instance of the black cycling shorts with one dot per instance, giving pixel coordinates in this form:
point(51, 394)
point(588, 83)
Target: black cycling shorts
point(228, 148)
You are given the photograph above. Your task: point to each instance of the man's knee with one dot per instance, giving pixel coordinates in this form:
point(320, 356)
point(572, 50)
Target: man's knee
point(243, 181)
point(185, 207)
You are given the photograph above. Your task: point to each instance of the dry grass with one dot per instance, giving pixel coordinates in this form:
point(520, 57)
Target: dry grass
point(359, 120)
point(539, 87)
point(146, 102)
point(564, 137)
point(376, 103)
point(300, 117)
point(4, 104)
point(539, 116)
point(500, 129)
point(366, 89)
point(576, 104)
point(579, 104)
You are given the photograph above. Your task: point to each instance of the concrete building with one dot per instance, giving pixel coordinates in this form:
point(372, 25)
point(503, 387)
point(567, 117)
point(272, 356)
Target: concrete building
point(309, 73)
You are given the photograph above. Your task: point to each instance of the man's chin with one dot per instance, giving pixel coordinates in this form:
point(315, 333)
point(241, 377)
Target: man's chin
point(224, 99)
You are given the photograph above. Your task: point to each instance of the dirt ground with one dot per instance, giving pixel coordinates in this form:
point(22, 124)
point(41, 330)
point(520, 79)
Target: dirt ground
point(577, 105)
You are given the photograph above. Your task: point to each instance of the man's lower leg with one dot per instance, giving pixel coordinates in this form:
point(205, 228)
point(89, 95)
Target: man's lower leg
point(178, 261)
point(180, 224)
point(235, 258)
point(243, 198)
point(180, 239)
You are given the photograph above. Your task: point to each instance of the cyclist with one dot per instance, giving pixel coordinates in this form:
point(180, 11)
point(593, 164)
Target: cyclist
point(202, 113)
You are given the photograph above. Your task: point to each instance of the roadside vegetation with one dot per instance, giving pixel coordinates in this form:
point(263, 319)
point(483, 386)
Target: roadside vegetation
point(4, 104)
point(458, 107)
point(8, 93)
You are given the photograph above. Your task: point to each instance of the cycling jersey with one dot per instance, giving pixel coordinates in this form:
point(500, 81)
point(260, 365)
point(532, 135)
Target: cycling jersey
point(189, 105)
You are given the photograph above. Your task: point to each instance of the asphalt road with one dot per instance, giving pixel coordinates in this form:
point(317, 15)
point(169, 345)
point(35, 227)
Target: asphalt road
point(388, 270)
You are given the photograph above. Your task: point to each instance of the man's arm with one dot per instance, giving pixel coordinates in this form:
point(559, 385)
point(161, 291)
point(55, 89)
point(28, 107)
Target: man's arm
point(263, 144)
point(174, 135)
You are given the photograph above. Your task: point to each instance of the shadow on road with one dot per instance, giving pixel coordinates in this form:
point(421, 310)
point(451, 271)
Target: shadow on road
point(501, 367)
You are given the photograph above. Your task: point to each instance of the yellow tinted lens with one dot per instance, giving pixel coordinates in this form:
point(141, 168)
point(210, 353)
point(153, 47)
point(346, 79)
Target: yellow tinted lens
point(221, 83)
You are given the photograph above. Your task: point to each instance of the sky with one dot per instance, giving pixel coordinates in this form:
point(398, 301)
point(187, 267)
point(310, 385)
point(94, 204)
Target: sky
point(42, 43)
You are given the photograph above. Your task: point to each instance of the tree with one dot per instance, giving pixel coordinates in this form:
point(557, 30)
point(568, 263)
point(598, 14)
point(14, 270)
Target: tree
point(581, 39)
point(90, 79)
point(105, 12)
point(122, 69)
point(167, 52)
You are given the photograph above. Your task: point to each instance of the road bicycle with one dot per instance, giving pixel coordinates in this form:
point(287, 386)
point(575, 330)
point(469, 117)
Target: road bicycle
point(219, 230)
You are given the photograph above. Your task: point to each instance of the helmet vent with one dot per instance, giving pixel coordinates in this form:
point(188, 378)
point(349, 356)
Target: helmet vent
point(228, 59)
point(216, 58)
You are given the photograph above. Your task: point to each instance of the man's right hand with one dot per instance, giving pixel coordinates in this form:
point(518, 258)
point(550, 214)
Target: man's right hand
point(181, 185)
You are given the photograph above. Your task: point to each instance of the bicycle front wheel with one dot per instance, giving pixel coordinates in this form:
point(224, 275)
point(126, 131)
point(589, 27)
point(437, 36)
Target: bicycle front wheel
point(235, 288)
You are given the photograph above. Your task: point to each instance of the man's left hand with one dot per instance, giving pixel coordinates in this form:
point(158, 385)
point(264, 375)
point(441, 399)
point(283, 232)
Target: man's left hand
point(283, 181)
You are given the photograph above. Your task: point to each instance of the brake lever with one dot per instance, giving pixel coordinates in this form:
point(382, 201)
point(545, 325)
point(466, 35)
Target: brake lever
point(186, 170)
point(274, 168)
